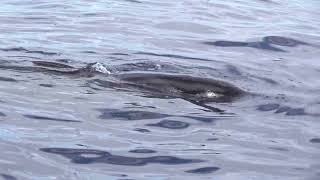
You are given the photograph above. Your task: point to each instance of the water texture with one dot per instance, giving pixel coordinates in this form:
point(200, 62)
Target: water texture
point(121, 89)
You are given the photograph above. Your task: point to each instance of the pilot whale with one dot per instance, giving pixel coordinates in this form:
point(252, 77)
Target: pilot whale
point(196, 90)
point(184, 86)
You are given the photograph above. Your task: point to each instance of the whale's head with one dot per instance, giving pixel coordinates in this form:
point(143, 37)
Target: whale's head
point(184, 86)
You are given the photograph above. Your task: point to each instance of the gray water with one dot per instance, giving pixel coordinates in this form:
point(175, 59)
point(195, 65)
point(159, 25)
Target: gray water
point(61, 126)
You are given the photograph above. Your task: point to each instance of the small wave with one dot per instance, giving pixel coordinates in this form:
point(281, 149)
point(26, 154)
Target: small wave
point(21, 49)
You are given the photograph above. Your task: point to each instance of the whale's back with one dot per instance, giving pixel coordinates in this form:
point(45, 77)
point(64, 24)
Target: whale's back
point(204, 89)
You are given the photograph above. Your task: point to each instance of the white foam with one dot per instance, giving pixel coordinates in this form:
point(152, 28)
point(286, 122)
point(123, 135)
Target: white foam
point(100, 68)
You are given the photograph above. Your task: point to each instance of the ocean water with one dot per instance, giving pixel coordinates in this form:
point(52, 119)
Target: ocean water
point(56, 123)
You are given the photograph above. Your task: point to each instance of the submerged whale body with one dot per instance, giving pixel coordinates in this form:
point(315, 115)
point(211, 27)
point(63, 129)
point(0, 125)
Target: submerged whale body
point(184, 86)
point(196, 90)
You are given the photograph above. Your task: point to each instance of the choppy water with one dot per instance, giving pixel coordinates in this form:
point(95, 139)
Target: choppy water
point(63, 126)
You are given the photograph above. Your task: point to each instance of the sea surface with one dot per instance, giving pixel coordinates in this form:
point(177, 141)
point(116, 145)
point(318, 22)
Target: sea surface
point(71, 126)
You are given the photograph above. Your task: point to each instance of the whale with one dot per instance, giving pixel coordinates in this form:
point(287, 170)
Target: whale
point(184, 86)
point(197, 90)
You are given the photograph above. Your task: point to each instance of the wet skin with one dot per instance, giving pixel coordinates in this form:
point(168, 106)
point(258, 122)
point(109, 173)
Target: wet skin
point(195, 90)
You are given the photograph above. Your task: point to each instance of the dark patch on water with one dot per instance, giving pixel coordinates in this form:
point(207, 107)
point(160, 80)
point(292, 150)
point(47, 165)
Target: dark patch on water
point(2, 114)
point(170, 124)
point(291, 111)
point(315, 140)
point(204, 170)
point(171, 160)
point(143, 151)
point(295, 112)
point(212, 139)
point(89, 52)
point(133, 1)
point(64, 60)
point(265, 44)
point(48, 118)
point(268, 107)
point(282, 109)
point(258, 45)
point(8, 79)
point(88, 156)
point(8, 177)
point(20, 49)
point(130, 115)
point(89, 14)
point(81, 145)
point(120, 54)
point(228, 43)
point(141, 115)
point(142, 130)
point(46, 85)
point(233, 70)
point(278, 148)
point(283, 41)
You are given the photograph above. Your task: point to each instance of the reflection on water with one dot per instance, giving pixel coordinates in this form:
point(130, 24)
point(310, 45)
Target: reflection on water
point(130, 115)
point(8, 79)
point(143, 151)
point(266, 43)
point(204, 170)
point(141, 115)
point(8, 177)
point(315, 140)
point(282, 109)
point(48, 118)
point(171, 124)
point(87, 156)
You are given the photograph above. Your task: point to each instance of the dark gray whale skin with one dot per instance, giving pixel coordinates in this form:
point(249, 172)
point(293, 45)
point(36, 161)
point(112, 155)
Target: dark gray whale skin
point(196, 90)
point(184, 86)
